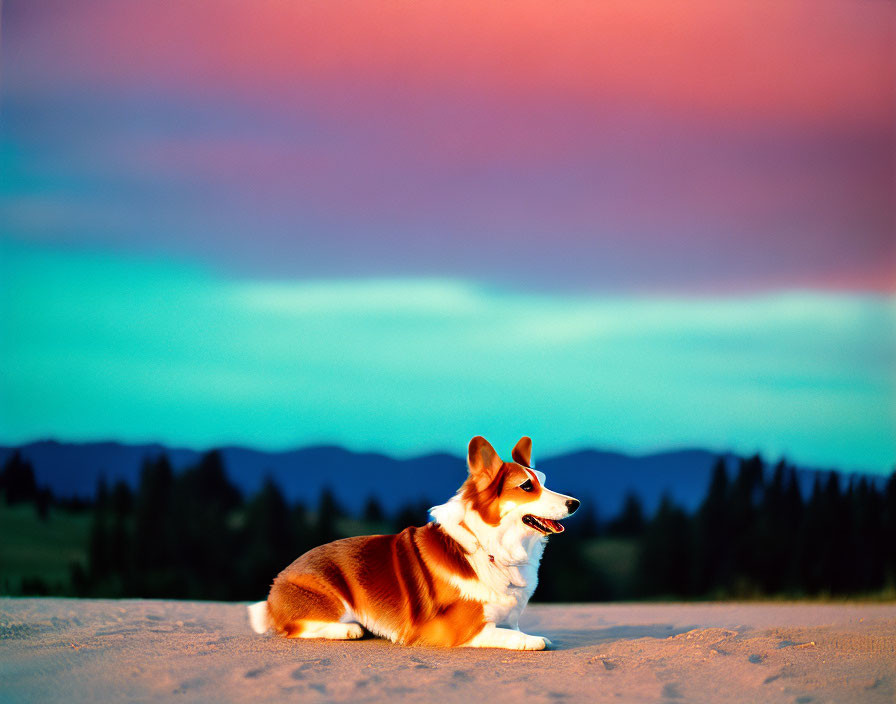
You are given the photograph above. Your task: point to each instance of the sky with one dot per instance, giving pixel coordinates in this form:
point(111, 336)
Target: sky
point(396, 225)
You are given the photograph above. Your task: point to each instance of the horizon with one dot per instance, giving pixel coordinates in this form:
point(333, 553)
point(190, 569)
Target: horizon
point(769, 462)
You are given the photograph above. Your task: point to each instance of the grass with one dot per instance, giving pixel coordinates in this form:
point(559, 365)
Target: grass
point(616, 557)
point(35, 549)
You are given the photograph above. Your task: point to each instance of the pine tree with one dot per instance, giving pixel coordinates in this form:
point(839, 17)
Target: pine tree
point(664, 561)
point(17, 480)
point(154, 530)
point(301, 528)
point(630, 523)
point(328, 512)
point(867, 546)
point(120, 543)
point(586, 526)
point(818, 543)
point(745, 494)
point(772, 547)
point(713, 568)
point(204, 503)
point(98, 545)
point(373, 511)
point(793, 509)
point(889, 533)
point(413, 514)
point(837, 561)
point(268, 545)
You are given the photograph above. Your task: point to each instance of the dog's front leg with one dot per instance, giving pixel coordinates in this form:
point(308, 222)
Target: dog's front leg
point(511, 621)
point(493, 637)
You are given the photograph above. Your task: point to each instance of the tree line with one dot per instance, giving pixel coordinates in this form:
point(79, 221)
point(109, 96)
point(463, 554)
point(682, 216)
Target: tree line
point(193, 535)
point(754, 535)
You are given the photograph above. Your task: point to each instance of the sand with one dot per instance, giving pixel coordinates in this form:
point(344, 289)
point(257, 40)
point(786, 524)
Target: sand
point(102, 650)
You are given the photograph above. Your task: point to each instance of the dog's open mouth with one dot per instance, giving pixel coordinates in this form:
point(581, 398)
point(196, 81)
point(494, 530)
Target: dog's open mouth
point(543, 525)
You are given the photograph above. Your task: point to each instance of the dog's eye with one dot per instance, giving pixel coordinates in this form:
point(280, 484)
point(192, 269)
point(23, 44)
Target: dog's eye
point(527, 485)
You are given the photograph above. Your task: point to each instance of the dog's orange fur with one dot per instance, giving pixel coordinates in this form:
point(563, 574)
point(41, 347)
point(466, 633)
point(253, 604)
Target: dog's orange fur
point(400, 578)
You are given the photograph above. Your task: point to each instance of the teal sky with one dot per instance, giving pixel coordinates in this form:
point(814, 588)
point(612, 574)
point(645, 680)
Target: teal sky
point(102, 345)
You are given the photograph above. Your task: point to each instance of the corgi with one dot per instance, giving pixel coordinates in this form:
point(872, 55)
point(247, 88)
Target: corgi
point(461, 580)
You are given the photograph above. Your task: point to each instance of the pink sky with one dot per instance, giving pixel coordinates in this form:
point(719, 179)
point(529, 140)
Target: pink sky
point(699, 145)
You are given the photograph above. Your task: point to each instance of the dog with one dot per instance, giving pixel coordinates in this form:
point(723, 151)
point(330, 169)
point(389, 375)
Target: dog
point(461, 580)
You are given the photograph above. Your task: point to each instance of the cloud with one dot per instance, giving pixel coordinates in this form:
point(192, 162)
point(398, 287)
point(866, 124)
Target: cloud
point(584, 146)
point(97, 345)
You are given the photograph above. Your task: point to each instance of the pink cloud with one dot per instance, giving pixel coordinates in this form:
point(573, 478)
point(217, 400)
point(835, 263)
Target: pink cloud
point(752, 137)
point(799, 60)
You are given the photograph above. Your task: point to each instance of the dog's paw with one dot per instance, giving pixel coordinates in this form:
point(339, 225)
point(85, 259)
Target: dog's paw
point(328, 629)
point(508, 638)
point(527, 642)
point(353, 631)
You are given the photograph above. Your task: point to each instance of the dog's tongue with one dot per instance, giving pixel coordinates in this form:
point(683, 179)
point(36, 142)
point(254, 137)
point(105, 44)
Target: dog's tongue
point(553, 525)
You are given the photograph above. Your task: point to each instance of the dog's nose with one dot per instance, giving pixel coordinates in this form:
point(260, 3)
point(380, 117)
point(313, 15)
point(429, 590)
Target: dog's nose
point(572, 505)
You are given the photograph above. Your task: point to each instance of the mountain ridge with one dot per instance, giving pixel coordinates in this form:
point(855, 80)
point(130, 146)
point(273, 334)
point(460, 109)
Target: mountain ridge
point(601, 478)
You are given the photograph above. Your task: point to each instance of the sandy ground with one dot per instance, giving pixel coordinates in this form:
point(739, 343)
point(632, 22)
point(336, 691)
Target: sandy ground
point(91, 651)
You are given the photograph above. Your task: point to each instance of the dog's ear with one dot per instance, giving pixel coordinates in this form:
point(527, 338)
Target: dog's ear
point(482, 460)
point(522, 453)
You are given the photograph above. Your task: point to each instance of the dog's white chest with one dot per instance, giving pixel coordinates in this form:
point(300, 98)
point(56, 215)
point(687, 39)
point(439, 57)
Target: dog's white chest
point(504, 558)
point(503, 591)
point(506, 611)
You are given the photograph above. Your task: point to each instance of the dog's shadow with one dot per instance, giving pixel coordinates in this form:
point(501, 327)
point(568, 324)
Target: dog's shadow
point(586, 637)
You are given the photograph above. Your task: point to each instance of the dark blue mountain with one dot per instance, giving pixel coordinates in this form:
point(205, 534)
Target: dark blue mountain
point(600, 479)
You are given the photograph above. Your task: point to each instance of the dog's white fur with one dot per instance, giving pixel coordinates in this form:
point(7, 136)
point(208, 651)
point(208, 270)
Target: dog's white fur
point(259, 617)
point(505, 558)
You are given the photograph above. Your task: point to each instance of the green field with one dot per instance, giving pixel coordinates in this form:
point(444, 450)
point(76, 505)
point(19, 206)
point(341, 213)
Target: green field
point(41, 552)
point(616, 558)
point(36, 549)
